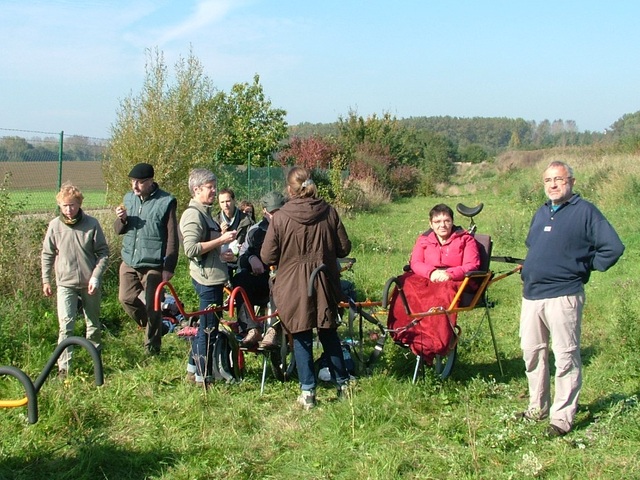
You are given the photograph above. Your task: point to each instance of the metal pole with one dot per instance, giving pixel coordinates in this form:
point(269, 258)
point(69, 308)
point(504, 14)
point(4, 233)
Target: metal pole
point(60, 155)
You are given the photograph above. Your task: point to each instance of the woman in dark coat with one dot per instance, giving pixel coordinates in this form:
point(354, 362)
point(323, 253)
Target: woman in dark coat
point(304, 234)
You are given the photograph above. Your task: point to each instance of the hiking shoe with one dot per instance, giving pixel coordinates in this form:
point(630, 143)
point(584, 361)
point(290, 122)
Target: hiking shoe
point(307, 399)
point(528, 415)
point(554, 431)
point(270, 339)
point(252, 338)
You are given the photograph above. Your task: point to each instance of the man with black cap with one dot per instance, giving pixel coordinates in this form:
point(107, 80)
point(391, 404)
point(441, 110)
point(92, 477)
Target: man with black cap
point(253, 275)
point(147, 220)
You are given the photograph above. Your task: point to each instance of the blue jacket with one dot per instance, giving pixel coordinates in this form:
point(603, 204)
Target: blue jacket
point(565, 246)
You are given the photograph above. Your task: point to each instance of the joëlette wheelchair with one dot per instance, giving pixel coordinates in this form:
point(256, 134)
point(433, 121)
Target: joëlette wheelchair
point(228, 360)
point(471, 294)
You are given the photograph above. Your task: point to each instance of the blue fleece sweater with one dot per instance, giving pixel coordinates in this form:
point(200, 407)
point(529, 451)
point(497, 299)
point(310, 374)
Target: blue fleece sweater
point(565, 246)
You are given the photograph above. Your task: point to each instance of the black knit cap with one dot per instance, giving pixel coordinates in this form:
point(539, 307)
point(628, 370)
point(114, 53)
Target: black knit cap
point(141, 171)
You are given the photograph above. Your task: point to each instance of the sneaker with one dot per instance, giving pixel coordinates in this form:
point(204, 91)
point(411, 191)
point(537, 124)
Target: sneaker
point(251, 338)
point(307, 399)
point(62, 374)
point(270, 339)
point(191, 378)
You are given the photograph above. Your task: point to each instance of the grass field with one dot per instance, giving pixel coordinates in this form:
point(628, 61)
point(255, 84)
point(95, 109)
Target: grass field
point(32, 186)
point(147, 423)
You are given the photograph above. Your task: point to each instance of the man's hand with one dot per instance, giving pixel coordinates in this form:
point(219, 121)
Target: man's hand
point(121, 213)
point(46, 289)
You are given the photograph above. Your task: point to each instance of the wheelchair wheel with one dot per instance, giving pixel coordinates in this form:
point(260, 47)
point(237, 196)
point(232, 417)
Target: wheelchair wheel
point(283, 364)
point(443, 364)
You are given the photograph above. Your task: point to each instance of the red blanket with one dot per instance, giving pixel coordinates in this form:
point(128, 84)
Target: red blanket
point(432, 335)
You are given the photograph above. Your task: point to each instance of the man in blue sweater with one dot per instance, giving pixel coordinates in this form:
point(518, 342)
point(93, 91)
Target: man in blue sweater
point(568, 238)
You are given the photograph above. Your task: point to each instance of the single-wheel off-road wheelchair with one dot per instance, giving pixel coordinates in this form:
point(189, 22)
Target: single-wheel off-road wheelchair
point(432, 333)
point(228, 356)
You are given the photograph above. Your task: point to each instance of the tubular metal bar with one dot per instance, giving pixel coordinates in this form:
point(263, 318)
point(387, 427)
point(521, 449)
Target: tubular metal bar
point(83, 342)
point(31, 399)
point(32, 389)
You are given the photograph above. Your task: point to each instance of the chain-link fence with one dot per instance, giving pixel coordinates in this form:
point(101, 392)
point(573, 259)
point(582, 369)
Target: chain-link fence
point(33, 165)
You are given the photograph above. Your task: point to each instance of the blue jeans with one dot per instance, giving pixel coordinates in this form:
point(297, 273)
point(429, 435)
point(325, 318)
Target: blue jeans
point(303, 353)
point(202, 345)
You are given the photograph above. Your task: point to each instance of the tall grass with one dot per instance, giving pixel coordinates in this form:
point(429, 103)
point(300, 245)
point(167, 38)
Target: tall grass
point(146, 422)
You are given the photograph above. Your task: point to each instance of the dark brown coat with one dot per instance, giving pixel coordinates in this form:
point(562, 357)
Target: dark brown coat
point(305, 233)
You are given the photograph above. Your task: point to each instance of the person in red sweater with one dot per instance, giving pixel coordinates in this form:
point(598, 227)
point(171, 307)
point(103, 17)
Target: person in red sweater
point(439, 261)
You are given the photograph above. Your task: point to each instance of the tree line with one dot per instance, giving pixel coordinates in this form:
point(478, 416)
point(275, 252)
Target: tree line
point(75, 148)
point(182, 121)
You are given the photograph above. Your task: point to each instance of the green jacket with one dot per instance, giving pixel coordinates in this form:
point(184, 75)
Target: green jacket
point(150, 232)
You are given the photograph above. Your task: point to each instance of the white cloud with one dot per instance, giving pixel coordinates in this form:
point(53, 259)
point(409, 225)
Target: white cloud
point(207, 12)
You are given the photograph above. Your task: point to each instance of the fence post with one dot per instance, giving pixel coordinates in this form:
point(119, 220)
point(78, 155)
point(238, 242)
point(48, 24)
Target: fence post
point(269, 173)
point(60, 155)
point(249, 175)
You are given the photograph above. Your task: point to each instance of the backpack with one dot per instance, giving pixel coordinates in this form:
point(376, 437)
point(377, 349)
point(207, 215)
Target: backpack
point(225, 356)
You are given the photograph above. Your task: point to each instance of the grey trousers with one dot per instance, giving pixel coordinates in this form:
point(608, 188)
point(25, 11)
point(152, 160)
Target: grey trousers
point(68, 310)
point(556, 320)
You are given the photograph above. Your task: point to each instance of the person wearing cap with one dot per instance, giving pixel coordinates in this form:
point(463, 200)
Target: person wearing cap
point(147, 221)
point(253, 275)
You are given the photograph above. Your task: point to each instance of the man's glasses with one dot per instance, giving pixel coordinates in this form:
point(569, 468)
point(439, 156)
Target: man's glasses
point(558, 180)
point(139, 181)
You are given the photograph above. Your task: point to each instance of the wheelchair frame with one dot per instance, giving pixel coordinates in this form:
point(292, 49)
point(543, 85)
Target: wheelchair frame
point(443, 364)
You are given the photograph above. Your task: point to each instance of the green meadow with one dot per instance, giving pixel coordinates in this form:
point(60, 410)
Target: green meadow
point(146, 422)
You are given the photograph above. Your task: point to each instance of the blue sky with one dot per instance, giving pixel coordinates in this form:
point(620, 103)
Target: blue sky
point(67, 64)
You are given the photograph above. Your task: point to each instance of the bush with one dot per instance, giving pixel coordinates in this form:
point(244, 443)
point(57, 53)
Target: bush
point(20, 245)
point(404, 180)
point(473, 154)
